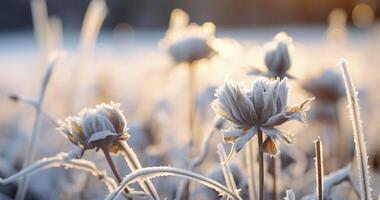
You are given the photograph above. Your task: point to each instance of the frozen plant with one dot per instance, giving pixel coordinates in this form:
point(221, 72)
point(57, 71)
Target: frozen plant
point(260, 108)
point(188, 42)
point(328, 88)
point(257, 110)
point(104, 127)
point(277, 57)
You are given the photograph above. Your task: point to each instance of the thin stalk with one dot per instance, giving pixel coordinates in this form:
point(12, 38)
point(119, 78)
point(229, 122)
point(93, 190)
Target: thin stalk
point(228, 176)
point(358, 133)
point(250, 163)
point(31, 146)
point(261, 164)
point(113, 168)
point(134, 164)
point(192, 107)
point(274, 177)
point(183, 188)
point(319, 167)
point(67, 160)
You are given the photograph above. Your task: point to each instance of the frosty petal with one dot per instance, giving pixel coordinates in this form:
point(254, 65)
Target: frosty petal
point(241, 141)
point(275, 133)
point(100, 136)
point(231, 134)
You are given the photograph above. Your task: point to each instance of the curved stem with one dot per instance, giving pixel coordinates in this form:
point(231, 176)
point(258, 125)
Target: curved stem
point(134, 164)
point(261, 164)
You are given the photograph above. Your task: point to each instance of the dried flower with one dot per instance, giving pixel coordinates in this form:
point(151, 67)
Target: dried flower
point(188, 42)
point(101, 126)
point(262, 107)
point(277, 58)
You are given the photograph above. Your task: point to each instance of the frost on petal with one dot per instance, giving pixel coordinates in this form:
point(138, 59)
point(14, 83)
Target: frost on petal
point(276, 133)
point(104, 124)
point(233, 104)
point(223, 111)
point(113, 113)
point(241, 141)
point(277, 58)
point(66, 130)
point(230, 135)
point(100, 123)
point(298, 112)
point(100, 136)
point(283, 89)
point(257, 97)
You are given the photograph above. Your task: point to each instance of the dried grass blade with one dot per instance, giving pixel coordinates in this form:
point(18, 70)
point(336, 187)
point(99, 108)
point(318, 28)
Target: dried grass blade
point(360, 146)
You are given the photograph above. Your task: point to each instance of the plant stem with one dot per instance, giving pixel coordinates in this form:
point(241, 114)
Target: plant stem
point(261, 164)
point(249, 159)
point(134, 164)
point(113, 167)
point(31, 146)
point(274, 171)
point(192, 107)
point(319, 167)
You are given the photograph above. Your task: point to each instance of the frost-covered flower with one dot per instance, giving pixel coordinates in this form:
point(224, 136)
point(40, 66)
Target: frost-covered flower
point(99, 127)
point(188, 42)
point(261, 107)
point(277, 58)
point(328, 88)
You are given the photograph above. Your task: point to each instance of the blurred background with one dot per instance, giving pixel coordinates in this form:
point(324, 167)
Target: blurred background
point(146, 14)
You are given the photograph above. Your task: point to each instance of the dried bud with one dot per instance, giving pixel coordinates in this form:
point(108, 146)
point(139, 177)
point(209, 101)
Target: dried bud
point(99, 127)
point(277, 58)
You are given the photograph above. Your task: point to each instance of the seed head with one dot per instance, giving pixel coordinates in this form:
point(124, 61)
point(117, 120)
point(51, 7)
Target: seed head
point(99, 127)
point(261, 107)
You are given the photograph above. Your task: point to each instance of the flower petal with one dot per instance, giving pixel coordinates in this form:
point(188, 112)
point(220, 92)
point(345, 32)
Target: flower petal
point(241, 141)
point(100, 136)
point(270, 147)
point(230, 135)
point(275, 133)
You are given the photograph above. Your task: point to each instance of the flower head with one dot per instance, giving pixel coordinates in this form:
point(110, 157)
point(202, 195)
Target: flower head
point(262, 107)
point(188, 42)
point(99, 127)
point(329, 86)
point(277, 58)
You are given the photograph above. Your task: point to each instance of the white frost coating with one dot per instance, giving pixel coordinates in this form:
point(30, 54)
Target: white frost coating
point(360, 146)
point(290, 195)
point(229, 178)
point(153, 172)
point(62, 160)
point(330, 181)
